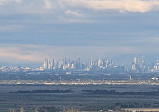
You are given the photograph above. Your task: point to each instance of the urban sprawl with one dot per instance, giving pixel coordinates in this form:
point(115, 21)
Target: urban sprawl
point(107, 65)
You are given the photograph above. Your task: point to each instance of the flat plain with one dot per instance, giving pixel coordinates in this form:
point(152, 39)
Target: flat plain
point(79, 96)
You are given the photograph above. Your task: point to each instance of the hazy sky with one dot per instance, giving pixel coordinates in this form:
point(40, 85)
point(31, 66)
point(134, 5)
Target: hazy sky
point(31, 30)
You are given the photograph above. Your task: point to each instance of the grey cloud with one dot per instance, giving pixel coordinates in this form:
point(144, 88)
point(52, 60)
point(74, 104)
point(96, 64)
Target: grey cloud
point(71, 27)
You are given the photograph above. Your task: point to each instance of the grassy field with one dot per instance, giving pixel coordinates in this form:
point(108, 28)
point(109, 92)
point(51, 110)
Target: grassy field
point(78, 98)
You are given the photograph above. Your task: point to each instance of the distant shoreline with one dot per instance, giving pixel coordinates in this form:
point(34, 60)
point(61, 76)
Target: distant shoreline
point(75, 82)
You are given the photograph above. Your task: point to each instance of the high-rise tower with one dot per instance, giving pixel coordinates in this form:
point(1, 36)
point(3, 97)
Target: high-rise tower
point(46, 64)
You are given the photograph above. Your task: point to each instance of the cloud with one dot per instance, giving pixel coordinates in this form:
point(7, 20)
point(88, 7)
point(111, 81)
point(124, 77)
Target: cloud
point(141, 6)
point(13, 54)
point(48, 4)
point(18, 1)
point(10, 28)
point(2, 2)
point(154, 40)
point(74, 13)
point(37, 53)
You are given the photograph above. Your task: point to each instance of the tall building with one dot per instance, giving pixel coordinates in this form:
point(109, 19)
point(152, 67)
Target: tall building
point(157, 62)
point(100, 62)
point(91, 62)
point(49, 64)
point(78, 64)
point(135, 64)
point(53, 63)
point(21, 109)
point(143, 60)
point(46, 64)
point(135, 60)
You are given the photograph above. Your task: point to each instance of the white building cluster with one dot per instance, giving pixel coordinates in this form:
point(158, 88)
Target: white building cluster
point(155, 67)
point(100, 64)
point(62, 65)
point(139, 66)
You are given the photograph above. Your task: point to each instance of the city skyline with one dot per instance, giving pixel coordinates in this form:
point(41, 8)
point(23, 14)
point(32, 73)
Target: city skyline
point(138, 64)
point(34, 29)
point(125, 60)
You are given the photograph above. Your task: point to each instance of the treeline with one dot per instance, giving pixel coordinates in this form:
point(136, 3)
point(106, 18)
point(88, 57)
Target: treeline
point(113, 92)
point(44, 91)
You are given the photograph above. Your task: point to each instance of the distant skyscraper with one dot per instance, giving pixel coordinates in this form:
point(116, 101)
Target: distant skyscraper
point(135, 60)
point(133, 67)
point(78, 64)
point(45, 64)
point(65, 61)
point(99, 62)
point(49, 64)
point(53, 63)
point(135, 64)
point(22, 109)
point(143, 60)
point(110, 63)
point(157, 62)
point(91, 62)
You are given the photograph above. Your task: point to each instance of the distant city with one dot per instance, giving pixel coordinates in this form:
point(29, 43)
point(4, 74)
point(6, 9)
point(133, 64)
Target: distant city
point(106, 65)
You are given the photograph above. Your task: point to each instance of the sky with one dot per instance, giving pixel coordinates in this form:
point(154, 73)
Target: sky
point(31, 30)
